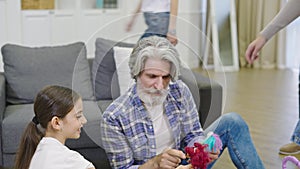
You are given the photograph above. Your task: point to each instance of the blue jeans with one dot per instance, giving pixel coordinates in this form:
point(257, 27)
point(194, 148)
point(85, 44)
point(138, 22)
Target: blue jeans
point(235, 136)
point(158, 24)
point(296, 134)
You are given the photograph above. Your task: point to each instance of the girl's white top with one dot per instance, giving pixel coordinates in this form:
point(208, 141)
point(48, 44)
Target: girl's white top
point(50, 154)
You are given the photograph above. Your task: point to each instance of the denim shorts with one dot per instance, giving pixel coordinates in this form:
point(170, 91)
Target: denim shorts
point(158, 24)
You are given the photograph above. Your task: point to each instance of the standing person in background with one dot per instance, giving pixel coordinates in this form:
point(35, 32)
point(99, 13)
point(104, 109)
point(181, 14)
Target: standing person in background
point(160, 17)
point(58, 116)
point(287, 14)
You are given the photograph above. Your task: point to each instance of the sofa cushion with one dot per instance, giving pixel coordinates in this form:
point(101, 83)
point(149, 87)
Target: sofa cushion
point(28, 69)
point(121, 56)
point(17, 117)
point(105, 80)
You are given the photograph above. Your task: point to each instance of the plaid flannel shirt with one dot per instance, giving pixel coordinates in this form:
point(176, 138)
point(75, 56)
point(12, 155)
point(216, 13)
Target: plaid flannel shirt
point(127, 130)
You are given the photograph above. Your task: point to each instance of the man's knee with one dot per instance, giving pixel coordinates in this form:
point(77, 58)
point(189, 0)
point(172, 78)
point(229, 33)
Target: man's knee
point(236, 120)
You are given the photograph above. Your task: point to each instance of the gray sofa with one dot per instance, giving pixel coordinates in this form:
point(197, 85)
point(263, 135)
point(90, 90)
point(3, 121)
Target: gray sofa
point(27, 70)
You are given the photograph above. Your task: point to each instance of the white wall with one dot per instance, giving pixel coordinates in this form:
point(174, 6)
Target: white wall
point(84, 24)
point(10, 23)
point(3, 30)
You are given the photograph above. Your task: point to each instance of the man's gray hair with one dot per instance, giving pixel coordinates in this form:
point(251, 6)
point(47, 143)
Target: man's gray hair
point(154, 47)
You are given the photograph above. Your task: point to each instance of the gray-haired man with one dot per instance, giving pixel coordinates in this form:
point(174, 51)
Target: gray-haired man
point(148, 125)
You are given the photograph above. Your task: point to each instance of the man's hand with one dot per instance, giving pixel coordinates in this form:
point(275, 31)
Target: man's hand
point(169, 159)
point(254, 48)
point(214, 155)
point(185, 167)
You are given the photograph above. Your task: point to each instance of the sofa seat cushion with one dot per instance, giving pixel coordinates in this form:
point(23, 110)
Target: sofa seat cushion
point(104, 76)
point(17, 117)
point(28, 69)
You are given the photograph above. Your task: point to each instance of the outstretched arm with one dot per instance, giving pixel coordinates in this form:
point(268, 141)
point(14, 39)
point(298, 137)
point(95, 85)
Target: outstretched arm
point(286, 15)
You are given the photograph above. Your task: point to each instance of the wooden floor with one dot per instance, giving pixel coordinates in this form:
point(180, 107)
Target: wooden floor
point(268, 102)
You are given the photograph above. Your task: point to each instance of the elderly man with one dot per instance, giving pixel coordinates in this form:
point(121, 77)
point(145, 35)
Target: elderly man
point(156, 118)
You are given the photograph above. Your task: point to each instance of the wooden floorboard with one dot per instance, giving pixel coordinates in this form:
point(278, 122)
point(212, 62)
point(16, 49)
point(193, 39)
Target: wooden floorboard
point(268, 102)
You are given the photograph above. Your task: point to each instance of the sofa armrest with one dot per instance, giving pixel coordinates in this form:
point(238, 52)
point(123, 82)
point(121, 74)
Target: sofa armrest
point(2, 108)
point(207, 95)
point(2, 95)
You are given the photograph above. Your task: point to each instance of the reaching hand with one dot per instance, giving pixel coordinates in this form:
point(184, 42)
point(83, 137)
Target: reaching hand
point(254, 48)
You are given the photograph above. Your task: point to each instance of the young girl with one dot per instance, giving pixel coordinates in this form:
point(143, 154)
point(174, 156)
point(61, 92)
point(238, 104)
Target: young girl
point(58, 116)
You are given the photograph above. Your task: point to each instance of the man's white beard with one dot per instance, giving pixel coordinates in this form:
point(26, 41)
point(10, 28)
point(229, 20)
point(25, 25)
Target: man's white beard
point(151, 96)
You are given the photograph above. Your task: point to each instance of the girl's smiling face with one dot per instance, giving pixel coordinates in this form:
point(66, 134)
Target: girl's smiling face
point(73, 122)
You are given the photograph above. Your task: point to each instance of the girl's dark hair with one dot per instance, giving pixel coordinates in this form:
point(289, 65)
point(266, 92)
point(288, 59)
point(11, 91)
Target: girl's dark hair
point(50, 101)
